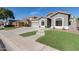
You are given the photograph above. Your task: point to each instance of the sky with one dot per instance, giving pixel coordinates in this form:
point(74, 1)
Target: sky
point(23, 12)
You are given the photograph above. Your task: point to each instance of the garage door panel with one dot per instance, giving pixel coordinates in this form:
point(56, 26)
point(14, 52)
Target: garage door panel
point(35, 24)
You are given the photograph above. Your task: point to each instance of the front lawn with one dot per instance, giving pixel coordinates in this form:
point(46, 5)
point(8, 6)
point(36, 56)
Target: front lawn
point(7, 28)
point(61, 40)
point(28, 34)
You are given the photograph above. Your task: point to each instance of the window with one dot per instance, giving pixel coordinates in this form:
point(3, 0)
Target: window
point(58, 22)
point(42, 23)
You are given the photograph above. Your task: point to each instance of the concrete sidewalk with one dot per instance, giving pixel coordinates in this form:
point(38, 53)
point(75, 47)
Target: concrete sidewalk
point(14, 42)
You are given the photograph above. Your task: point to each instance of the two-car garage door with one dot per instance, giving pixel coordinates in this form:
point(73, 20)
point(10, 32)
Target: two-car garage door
point(35, 24)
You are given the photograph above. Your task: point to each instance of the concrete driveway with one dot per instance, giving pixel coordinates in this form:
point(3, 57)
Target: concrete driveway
point(23, 30)
point(14, 42)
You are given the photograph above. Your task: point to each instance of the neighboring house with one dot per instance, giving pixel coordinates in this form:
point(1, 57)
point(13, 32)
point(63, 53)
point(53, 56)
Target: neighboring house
point(1, 23)
point(13, 23)
point(5, 23)
point(57, 20)
point(19, 23)
point(34, 21)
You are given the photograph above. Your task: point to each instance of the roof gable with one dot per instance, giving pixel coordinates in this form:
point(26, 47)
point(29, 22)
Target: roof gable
point(55, 13)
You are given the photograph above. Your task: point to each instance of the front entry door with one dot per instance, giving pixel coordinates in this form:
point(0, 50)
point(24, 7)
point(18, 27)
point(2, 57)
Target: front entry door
point(48, 22)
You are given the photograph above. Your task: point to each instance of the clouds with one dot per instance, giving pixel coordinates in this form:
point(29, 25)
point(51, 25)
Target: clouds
point(36, 12)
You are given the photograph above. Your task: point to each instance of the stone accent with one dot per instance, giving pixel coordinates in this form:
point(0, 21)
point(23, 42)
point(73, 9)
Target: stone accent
point(73, 25)
point(41, 32)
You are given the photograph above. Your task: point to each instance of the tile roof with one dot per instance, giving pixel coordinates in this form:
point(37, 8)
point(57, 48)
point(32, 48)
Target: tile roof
point(54, 13)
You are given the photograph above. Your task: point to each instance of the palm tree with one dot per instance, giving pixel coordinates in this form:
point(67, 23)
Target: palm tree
point(5, 14)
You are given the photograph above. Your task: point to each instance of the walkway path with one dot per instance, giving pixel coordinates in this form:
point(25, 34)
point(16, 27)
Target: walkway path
point(15, 42)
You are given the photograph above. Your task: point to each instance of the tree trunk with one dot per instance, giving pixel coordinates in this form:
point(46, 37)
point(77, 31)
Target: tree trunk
point(5, 22)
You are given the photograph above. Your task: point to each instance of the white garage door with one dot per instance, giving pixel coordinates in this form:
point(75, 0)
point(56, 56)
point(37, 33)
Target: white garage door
point(35, 24)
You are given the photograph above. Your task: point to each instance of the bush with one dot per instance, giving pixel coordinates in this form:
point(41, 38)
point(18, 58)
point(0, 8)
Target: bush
point(77, 28)
point(8, 26)
point(63, 28)
point(1, 28)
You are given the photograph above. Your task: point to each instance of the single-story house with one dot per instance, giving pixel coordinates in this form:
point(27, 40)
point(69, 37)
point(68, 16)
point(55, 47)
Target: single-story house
point(57, 20)
point(19, 23)
point(16, 23)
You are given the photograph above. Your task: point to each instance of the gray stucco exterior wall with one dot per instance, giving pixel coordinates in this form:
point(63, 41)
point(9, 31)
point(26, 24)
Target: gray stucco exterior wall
point(65, 19)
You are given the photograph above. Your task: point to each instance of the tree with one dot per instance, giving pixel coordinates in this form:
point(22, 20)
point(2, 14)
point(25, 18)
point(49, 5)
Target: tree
point(78, 18)
point(5, 14)
point(2, 13)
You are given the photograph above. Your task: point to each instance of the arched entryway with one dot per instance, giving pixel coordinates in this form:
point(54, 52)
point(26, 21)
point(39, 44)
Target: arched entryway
point(48, 22)
point(42, 23)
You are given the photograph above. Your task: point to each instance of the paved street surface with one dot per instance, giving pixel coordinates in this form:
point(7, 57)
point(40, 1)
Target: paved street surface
point(14, 42)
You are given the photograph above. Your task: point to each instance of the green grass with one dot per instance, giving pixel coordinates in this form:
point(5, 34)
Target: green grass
point(7, 28)
point(28, 34)
point(64, 41)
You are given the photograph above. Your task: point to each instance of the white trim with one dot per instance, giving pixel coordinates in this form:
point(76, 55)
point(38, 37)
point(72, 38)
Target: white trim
point(42, 26)
point(62, 27)
point(58, 27)
point(66, 27)
point(62, 21)
point(35, 21)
